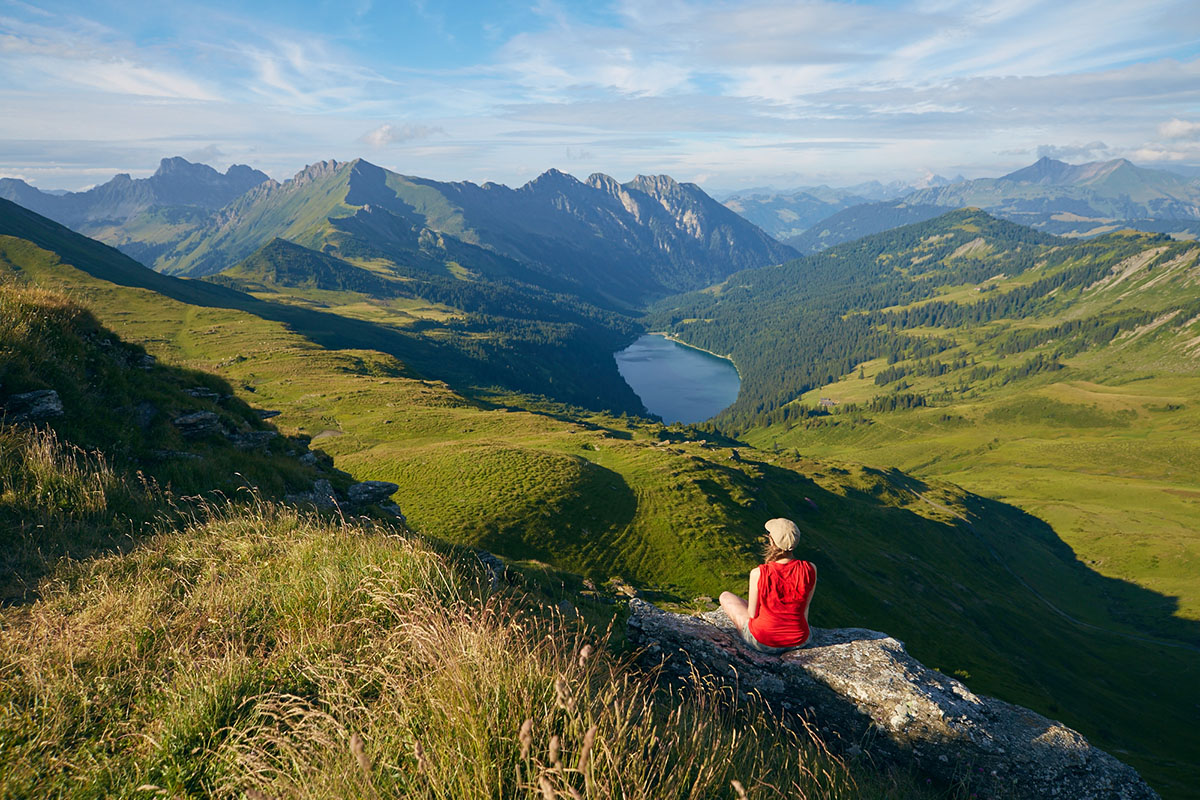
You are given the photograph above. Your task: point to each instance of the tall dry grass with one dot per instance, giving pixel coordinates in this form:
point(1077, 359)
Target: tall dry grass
point(263, 652)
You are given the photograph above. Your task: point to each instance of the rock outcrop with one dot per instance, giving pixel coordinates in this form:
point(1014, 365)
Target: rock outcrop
point(198, 424)
point(36, 406)
point(864, 692)
point(368, 492)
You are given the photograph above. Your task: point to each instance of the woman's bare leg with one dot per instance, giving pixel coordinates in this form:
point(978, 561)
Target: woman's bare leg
point(736, 608)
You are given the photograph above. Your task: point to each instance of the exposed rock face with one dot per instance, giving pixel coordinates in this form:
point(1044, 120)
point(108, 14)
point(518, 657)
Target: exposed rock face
point(369, 492)
point(323, 495)
point(198, 424)
point(862, 690)
point(253, 440)
point(37, 406)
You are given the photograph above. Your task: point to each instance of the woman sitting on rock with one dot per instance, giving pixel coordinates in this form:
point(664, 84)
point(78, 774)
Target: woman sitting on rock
point(776, 619)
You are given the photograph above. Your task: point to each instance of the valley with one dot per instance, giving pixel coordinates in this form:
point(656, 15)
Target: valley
point(673, 509)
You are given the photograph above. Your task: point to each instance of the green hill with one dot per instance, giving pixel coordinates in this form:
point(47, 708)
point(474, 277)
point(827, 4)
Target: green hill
point(669, 509)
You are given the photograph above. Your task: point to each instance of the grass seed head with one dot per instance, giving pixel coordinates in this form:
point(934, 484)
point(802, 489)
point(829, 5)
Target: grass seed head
point(526, 737)
point(358, 748)
point(589, 739)
point(419, 754)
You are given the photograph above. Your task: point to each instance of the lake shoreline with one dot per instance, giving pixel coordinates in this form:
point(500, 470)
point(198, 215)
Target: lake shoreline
point(677, 382)
point(673, 338)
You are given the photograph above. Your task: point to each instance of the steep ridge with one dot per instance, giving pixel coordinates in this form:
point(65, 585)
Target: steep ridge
point(607, 497)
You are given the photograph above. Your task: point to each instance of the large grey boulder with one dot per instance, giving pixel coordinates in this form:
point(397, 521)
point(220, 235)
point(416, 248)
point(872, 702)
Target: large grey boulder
point(36, 406)
point(864, 692)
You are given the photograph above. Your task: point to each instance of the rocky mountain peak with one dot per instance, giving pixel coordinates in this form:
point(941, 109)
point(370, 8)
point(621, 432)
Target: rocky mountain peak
point(178, 165)
point(605, 183)
point(655, 185)
point(1044, 170)
point(552, 179)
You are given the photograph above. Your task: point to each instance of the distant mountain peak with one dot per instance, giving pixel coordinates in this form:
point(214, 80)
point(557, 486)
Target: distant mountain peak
point(552, 177)
point(175, 165)
point(654, 184)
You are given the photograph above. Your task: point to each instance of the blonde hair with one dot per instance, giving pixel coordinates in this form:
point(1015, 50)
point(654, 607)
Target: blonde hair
point(773, 552)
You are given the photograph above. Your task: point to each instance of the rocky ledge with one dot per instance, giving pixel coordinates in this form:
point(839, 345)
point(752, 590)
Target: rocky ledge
point(865, 693)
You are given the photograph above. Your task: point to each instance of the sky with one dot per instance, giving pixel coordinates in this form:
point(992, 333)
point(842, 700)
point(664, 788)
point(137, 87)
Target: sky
point(726, 94)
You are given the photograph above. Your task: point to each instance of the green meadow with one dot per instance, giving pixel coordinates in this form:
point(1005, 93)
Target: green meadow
point(974, 587)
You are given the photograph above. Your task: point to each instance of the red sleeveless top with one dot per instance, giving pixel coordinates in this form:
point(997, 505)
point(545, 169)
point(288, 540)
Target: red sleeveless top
point(784, 592)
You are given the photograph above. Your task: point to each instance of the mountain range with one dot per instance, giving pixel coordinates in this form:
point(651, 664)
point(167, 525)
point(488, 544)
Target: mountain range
point(616, 243)
point(1050, 195)
point(788, 214)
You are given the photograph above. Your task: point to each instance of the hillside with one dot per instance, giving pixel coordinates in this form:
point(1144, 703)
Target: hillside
point(179, 630)
point(512, 337)
point(604, 497)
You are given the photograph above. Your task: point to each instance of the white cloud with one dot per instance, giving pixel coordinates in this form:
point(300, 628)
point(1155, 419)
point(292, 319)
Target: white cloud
point(204, 155)
point(1074, 152)
point(388, 133)
point(1179, 129)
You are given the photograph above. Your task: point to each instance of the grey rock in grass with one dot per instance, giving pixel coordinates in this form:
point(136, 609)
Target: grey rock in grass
point(198, 424)
point(309, 459)
point(144, 414)
point(323, 495)
point(862, 690)
point(394, 510)
point(368, 492)
point(267, 413)
point(36, 406)
point(203, 393)
point(496, 569)
point(253, 440)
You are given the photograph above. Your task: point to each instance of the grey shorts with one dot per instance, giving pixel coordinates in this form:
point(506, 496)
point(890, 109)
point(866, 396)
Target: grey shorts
point(755, 644)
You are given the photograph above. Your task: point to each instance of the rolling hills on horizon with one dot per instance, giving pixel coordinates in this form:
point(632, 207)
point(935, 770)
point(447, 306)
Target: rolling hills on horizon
point(657, 505)
point(1078, 200)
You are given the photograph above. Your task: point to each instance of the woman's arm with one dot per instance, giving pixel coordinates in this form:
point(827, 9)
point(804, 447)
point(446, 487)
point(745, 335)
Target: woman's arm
point(753, 599)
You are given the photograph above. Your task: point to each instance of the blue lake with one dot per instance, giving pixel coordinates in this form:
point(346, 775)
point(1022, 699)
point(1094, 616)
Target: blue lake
point(677, 382)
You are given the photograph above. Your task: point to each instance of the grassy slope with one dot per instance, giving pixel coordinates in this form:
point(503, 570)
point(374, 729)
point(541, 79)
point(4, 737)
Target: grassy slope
point(683, 518)
point(238, 647)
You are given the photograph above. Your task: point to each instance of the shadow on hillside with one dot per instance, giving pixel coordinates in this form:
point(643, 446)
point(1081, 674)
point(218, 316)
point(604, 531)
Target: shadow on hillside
point(118, 465)
point(1000, 600)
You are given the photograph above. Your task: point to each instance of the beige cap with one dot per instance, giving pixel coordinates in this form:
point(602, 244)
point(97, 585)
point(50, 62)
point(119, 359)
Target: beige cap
point(783, 532)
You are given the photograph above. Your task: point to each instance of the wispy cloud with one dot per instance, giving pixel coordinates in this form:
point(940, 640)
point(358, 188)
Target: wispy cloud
point(388, 134)
point(735, 91)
